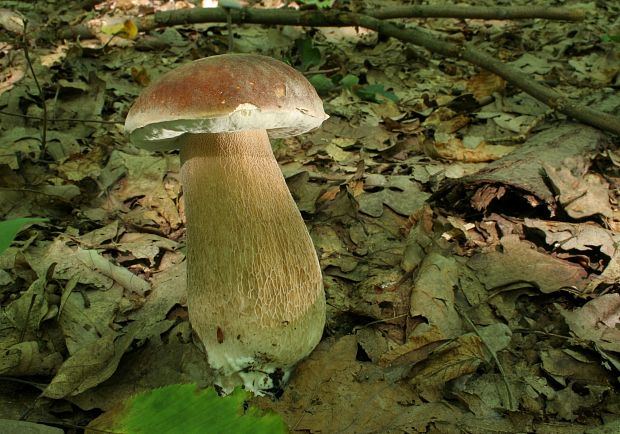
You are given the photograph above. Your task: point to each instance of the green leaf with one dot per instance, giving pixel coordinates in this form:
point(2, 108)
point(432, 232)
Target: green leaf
point(611, 38)
point(321, 83)
point(10, 228)
point(320, 4)
point(308, 54)
point(370, 93)
point(186, 409)
point(349, 81)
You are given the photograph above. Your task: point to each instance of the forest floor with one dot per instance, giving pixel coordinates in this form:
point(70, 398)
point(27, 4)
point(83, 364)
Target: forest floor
point(468, 234)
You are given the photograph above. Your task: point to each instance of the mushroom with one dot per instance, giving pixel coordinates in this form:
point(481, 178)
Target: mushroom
point(254, 287)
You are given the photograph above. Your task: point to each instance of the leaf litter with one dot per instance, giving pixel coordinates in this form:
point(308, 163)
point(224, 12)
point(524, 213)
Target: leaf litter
point(468, 239)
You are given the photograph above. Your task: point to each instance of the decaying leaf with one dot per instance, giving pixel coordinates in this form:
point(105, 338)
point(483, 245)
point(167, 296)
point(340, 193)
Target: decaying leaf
point(597, 321)
point(398, 192)
point(89, 366)
point(520, 265)
point(581, 194)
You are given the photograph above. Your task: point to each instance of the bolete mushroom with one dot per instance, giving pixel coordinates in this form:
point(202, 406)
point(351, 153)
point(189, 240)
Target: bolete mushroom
point(254, 286)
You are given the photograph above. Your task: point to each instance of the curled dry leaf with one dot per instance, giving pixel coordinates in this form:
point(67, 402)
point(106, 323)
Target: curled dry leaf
point(10, 76)
point(12, 21)
point(597, 321)
point(519, 263)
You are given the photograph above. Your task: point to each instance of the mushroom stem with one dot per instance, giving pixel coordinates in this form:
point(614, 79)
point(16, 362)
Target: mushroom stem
point(255, 290)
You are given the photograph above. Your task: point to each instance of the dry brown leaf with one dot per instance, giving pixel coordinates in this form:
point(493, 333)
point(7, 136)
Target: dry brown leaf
point(580, 193)
point(520, 263)
point(485, 84)
point(333, 392)
point(598, 321)
point(433, 298)
point(452, 148)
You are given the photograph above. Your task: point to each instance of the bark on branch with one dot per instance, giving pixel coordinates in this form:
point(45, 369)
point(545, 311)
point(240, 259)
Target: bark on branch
point(410, 34)
point(288, 16)
point(478, 12)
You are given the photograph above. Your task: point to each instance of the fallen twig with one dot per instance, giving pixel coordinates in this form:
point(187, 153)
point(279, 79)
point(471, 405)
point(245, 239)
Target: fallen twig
point(526, 83)
point(25, 43)
point(478, 12)
point(53, 120)
point(290, 16)
point(411, 34)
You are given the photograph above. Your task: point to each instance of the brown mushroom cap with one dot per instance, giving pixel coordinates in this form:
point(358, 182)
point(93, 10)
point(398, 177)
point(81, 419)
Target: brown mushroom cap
point(227, 93)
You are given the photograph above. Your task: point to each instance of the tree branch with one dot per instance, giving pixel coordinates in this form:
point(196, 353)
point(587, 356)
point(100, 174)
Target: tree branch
point(468, 52)
point(410, 34)
point(288, 16)
point(478, 12)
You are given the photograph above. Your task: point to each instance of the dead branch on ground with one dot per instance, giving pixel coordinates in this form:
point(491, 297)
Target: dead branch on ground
point(410, 34)
point(477, 12)
point(284, 16)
